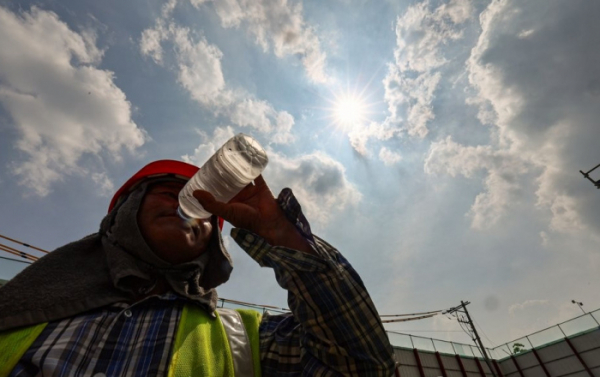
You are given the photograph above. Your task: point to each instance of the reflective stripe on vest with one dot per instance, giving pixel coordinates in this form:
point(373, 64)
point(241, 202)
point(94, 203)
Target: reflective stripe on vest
point(225, 346)
point(239, 343)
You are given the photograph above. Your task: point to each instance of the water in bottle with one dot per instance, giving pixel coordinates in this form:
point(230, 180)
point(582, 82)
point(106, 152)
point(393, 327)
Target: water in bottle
point(237, 163)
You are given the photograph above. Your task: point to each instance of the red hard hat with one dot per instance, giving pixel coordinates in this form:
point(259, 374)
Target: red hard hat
point(156, 169)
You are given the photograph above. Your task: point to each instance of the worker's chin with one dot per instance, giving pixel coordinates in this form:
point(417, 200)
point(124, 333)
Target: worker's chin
point(182, 253)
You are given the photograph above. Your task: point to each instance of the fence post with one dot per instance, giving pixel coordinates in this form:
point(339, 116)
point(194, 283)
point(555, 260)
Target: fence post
point(479, 367)
point(441, 363)
point(461, 366)
point(579, 357)
point(419, 365)
point(537, 356)
point(497, 366)
point(517, 365)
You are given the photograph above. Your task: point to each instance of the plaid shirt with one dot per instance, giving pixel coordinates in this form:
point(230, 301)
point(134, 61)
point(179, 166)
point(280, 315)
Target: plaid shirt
point(335, 329)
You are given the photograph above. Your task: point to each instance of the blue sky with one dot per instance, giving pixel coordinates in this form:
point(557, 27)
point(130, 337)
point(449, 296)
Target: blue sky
point(455, 179)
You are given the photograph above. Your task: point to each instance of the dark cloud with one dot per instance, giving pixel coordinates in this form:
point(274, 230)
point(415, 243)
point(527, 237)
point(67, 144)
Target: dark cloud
point(538, 64)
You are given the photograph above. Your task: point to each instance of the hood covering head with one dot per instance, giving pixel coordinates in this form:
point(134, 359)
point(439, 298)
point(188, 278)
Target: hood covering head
point(114, 265)
point(135, 266)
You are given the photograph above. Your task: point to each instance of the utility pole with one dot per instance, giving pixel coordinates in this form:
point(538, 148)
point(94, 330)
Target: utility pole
point(462, 308)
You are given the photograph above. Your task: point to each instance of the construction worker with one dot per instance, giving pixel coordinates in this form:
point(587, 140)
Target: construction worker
point(138, 298)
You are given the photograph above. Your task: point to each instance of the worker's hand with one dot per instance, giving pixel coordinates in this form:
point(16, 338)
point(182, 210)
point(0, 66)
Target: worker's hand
point(256, 210)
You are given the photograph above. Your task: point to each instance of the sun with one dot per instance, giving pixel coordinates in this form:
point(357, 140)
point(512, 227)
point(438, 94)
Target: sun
point(349, 111)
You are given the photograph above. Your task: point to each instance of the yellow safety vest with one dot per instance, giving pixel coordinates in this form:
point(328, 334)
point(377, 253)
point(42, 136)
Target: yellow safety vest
point(233, 332)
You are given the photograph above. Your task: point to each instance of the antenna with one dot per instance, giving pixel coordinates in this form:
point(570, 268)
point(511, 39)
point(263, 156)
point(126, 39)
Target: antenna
point(587, 175)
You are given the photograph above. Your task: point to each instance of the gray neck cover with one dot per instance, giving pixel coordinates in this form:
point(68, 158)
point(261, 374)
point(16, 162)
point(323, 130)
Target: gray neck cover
point(113, 265)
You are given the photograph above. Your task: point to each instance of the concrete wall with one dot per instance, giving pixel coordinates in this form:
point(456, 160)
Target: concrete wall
point(577, 356)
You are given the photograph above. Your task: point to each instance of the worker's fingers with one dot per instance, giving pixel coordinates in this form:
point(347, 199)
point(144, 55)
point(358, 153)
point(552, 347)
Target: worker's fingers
point(208, 201)
point(257, 187)
point(235, 213)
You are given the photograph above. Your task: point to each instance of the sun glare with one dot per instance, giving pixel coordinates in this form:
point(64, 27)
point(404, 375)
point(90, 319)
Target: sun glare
point(349, 111)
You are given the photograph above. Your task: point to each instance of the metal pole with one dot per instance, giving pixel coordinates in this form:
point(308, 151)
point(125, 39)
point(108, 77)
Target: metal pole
point(478, 339)
point(580, 304)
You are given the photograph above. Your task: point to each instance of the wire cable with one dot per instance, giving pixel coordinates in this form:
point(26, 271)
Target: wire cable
point(24, 244)
point(18, 253)
point(16, 260)
point(407, 319)
point(411, 314)
point(467, 331)
point(17, 250)
point(483, 332)
point(402, 333)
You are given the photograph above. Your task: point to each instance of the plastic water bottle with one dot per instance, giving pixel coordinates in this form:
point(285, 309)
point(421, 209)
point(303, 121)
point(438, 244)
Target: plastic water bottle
point(237, 163)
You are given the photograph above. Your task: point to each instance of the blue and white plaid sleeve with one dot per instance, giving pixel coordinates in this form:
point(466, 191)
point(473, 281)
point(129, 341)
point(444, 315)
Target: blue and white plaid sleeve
point(334, 329)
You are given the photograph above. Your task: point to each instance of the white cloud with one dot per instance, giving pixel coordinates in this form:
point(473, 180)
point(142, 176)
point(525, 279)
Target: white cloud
point(199, 68)
point(358, 140)
point(104, 183)
point(537, 78)
point(416, 94)
point(150, 43)
point(151, 40)
point(389, 157)
point(422, 33)
point(209, 145)
point(319, 182)
point(448, 157)
point(545, 239)
point(62, 105)
point(528, 304)
point(253, 113)
point(283, 131)
point(199, 71)
point(276, 24)
point(502, 184)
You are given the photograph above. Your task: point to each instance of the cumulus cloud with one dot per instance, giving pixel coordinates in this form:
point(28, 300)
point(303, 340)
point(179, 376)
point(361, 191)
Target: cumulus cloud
point(104, 183)
point(416, 94)
point(277, 25)
point(209, 145)
point(528, 304)
point(389, 157)
point(199, 67)
point(319, 182)
point(502, 184)
point(199, 71)
point(537, 78)
point(62, 105)
point(421, 31)
point(410, 84)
